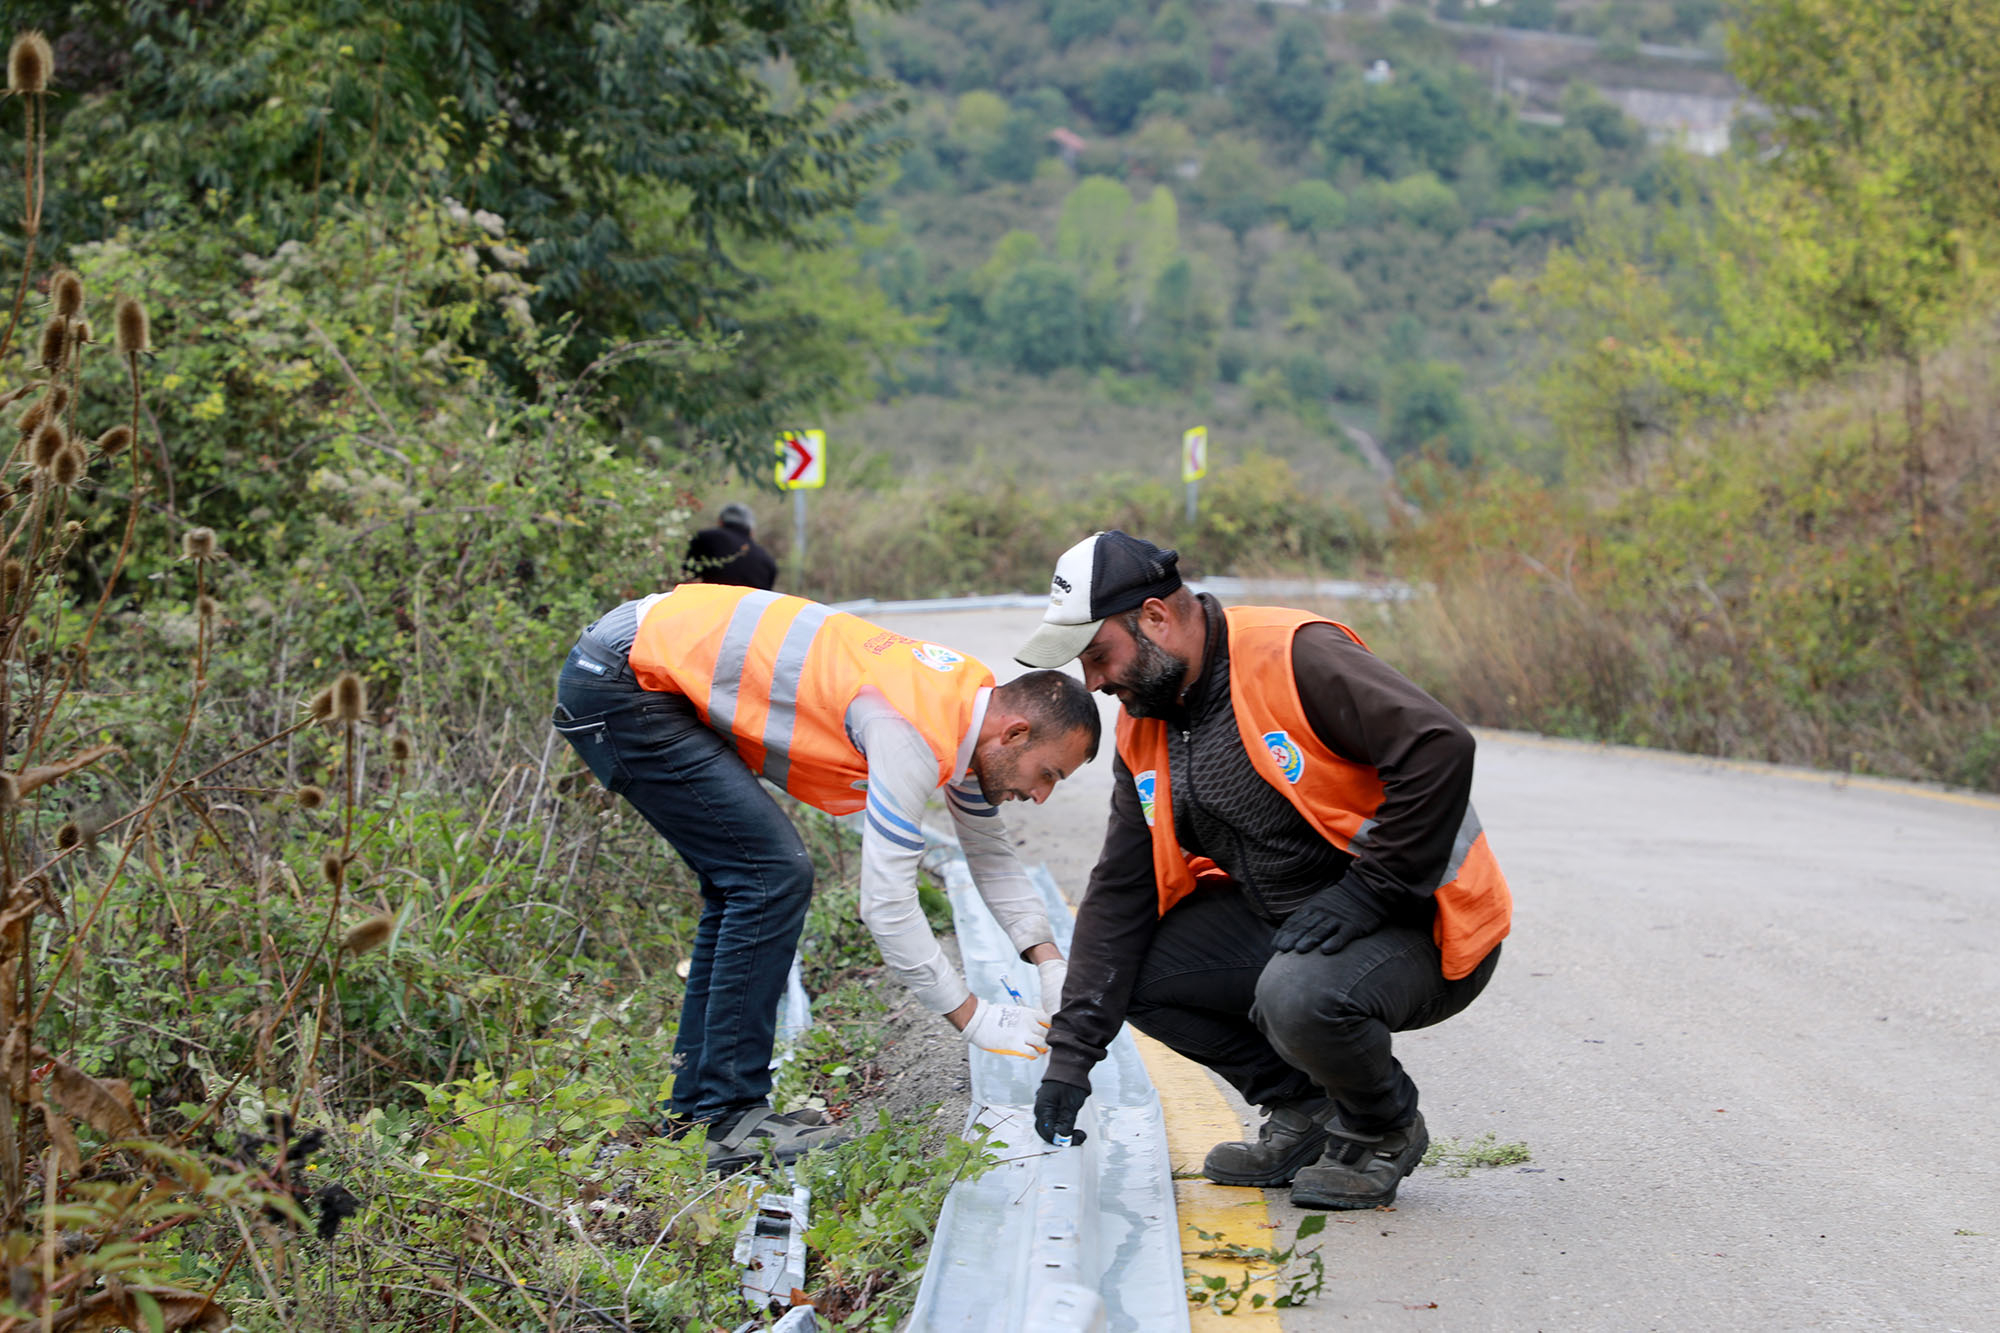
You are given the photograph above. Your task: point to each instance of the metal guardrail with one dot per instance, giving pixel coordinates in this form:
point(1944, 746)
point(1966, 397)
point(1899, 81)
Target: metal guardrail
point(1052, 1240)
point(1222, 585)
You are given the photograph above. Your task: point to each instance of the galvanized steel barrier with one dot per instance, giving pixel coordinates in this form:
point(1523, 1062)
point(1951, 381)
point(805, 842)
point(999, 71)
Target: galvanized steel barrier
point(1052, 1240)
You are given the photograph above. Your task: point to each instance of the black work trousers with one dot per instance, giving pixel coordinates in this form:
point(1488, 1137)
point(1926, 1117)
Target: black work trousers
point(1288, 1027)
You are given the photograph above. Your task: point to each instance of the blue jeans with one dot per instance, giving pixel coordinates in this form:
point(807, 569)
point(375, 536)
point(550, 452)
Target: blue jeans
point(756, 876)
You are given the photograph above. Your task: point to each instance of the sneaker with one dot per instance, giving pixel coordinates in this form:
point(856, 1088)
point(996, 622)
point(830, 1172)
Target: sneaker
point(1361, 1170)
point(760, 1133)
point(1292, 1135)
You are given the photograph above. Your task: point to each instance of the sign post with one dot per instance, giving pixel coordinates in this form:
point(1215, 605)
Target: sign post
point(1194, 464)
point(801, 467)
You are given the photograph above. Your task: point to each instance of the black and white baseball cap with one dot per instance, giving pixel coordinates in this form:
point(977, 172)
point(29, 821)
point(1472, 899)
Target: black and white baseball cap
point(1105, 574)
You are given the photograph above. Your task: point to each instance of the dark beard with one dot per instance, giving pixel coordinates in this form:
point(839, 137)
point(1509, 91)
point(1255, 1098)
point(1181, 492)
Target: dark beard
point(1155, 680)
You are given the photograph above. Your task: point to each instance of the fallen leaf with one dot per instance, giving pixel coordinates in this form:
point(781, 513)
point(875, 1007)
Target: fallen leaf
point(126, 1308)
point(41, 774)
point(105, 1105)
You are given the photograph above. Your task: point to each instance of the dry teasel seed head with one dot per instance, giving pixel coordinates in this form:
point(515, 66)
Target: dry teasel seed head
point(114, 441)
point(50, 441)
point(32, 419)
point(66, 291)
point(55, 344)
point(67, 469)
point(321, 706)
point(69, 835)
point(400, 748)
point(207, 607)
point(350, 697)
point(12, 575)
point(29, 64)
point(310, 797)
point(6, 501)
point(79, 333)
point(333, 869)
point(135, 331)
point(58, 397)
point(10, 791)
point(72, 530)
point(198, 544)
point(370, 934)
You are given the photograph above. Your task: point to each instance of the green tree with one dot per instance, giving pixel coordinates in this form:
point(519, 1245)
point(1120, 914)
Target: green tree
point(1156, 240)
point(1037, 314)
point(1092, 229)
point(1312, 207)
point(576, 123)
point(1118, 93)
point(1423, 407)
point(1175, 334)
point(1017, 151)
point(1234, 186)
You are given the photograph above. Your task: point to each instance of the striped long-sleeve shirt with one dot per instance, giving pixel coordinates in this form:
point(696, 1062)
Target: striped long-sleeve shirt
point(902, 776)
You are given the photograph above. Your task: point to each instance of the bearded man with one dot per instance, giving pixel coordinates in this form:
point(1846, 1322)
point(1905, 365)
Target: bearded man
point(1292, 871)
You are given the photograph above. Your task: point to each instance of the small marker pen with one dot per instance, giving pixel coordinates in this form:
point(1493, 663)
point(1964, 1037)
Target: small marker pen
point(1011, 992)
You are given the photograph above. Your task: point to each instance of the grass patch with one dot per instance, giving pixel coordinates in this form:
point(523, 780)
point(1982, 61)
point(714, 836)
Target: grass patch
point(1459, 1157)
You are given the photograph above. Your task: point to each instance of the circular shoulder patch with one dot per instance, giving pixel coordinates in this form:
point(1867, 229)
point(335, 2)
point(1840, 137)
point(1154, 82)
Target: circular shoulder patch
point(938, 658)
point(1289, 760)
point(1146, 783)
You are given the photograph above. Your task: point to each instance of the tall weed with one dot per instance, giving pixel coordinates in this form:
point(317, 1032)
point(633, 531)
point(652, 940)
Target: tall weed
point(329, 996)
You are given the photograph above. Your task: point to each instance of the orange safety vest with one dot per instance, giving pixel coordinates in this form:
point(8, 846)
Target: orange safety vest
point(777, 674)
point(1337, 796)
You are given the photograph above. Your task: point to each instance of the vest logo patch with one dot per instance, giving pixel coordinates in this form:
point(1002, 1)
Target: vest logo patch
point(1290, 761)
point(1146, 782)
point(936, 658)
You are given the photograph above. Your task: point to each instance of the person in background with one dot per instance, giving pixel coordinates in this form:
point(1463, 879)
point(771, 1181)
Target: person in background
point(729, 553)
point(680, 702)
point(1292, 871)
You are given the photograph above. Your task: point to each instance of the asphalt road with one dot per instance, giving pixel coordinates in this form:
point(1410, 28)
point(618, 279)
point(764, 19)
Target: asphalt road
point(1748, 1026)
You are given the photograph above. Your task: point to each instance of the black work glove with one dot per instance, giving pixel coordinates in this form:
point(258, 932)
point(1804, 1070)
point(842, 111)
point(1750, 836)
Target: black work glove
point(1331, 920)
point(1056, 1106)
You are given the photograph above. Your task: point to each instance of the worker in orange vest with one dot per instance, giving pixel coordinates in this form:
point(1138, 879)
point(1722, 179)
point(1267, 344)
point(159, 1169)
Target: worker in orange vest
point(680, 702)
point(1292, 871)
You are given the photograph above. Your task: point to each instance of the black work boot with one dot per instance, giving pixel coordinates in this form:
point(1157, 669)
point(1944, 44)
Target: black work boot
point(1291, 1136)
point(1361, 1170)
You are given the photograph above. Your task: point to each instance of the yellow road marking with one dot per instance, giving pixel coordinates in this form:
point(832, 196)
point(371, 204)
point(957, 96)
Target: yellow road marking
point(1827, 777)
point(1198, 1117)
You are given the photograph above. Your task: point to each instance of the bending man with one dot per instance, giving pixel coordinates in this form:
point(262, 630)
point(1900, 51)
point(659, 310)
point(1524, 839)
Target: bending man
point(679, 702)
point(1292, 870)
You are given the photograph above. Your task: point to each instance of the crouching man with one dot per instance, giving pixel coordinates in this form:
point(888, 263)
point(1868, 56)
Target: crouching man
point(681, 701)
point(1292, 871)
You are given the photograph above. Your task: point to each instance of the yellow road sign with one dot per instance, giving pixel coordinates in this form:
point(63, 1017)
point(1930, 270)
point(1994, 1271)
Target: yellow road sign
point(801, 460)
point(1194, 454)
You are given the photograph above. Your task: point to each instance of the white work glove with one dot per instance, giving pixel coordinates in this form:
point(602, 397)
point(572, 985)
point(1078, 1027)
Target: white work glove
point(1008, 1029)
point(1054, 973)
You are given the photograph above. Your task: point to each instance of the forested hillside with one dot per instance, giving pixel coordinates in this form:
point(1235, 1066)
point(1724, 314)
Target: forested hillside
point(1289, 217)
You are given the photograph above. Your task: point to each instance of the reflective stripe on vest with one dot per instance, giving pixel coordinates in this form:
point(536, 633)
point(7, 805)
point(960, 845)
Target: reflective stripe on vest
point(1336, 796)
point(777, 674)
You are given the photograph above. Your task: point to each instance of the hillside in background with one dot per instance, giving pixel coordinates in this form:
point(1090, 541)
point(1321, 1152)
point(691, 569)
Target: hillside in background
point(1126, 217)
